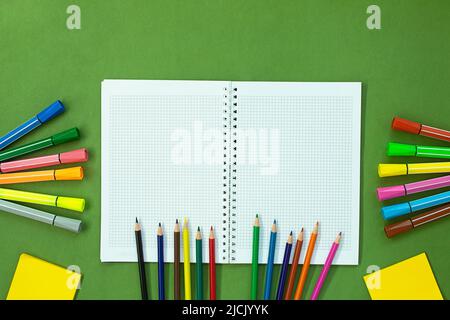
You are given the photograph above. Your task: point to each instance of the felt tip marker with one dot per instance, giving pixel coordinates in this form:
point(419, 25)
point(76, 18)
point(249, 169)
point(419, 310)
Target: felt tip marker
point(400, 209)
point(391, 192)
point(75, 204)
point(75, 173)
point(59, 138)
point(409, 126)
point(55, 109)
point(401, 169)
point(69, 224)
point(410, 150)
point(80, 155)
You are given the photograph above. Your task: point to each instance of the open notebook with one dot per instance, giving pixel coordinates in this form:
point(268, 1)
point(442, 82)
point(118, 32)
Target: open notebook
point(218, 152)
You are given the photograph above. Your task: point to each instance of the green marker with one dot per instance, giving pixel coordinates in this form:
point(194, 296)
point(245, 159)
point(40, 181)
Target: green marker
point(199, 264)
point(59, 138)
point(402, 150)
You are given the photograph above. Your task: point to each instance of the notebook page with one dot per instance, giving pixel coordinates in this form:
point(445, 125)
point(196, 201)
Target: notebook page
point(298, 161)
point(159, 162)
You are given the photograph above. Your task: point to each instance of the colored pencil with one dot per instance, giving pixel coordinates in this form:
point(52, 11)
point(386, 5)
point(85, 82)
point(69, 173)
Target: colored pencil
point(160, 240)
point(284, 267)
point(187, 262)
point(326, 267)
point(269, 270)
point(212, 265)
point(306, 263)
point(176, 261)
point(141, 264)
point(255, 257)
point(199, 263)
point(294, 266)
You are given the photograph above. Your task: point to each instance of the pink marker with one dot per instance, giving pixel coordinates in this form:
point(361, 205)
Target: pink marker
point(386, 193)
point(80, 155)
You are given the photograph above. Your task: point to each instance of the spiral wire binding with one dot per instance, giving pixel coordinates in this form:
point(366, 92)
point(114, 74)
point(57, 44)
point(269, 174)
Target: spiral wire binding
point(233, 176)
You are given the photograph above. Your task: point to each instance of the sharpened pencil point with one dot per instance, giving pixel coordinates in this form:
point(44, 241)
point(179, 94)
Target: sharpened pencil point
point(211, 228)
point(137, 220)
point(198, 228)
point(176, 221)
point(290, 233)
point(274, 221)
point(257, 216)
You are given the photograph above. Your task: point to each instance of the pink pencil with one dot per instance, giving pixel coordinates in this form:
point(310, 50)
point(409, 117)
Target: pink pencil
point(401, 190)
point(80, 155)
point(326, 268)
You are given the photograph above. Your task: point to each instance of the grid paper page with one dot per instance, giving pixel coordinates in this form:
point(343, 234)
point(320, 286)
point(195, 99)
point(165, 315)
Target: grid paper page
point(298, 161)
point(144, 172)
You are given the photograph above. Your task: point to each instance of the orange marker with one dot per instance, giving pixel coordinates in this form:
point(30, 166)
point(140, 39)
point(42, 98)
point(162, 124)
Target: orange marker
point(75, 173)
point(306, 263)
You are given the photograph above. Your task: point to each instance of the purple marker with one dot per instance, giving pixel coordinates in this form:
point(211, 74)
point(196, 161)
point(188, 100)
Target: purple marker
point(386, 193)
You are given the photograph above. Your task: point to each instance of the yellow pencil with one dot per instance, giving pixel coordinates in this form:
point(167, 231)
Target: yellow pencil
point(187, 262)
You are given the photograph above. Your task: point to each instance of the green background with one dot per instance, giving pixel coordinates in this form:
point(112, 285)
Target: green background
point(404, 68)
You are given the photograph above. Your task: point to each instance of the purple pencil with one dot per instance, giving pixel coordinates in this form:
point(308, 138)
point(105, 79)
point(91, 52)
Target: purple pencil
point(326, 267)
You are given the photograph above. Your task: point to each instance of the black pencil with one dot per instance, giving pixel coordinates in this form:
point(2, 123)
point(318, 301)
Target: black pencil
point(176, 253)
point(140, 255)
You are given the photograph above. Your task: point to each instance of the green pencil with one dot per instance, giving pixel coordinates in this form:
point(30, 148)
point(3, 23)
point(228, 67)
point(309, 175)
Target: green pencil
point(255, 255)
point(198, 264)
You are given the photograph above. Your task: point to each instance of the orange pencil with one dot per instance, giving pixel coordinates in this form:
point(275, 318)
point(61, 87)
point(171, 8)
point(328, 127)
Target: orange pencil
point(294, 265)
point(306, 263)
point(75, 173)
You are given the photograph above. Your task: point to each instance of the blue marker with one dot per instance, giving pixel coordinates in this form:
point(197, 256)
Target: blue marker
point(269, 270)
point(397, 210)
point(45, 115)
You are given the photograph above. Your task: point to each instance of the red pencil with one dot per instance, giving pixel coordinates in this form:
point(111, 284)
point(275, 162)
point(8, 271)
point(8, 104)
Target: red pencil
point(212, 266)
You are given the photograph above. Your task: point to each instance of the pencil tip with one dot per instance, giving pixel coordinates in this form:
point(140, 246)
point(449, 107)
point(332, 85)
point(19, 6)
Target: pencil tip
point(257, 216)
point(176, 221)
point(211, 228)
point(137, 220)
point(274, 221)
point(198, 228)
point(159, 225)
point(301, 230)
point(290, 233)
point(340, 233)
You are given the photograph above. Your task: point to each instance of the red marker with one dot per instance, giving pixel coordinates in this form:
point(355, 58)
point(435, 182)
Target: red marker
point(401, 124)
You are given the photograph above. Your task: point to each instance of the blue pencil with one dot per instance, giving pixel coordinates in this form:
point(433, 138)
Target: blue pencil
point(161, 290)
point(269, 270)
point(45, 115)
point(284, 268)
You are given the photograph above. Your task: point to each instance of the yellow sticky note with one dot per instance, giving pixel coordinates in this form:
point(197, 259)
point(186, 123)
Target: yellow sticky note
point(411, 279)
point(36, 279)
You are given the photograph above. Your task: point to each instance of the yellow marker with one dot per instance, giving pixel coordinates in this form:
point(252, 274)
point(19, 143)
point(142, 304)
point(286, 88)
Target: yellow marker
point(75, 173)
point(390, 170)
point(187, 262)
point(75, 204)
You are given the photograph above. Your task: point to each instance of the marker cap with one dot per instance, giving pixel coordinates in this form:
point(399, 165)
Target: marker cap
point(385, 193)
point(401, 149)
point(389, 170)
point(67, 223)
point(75, 204)
point(395, 210)
point(405, 125)
point(65, 136)
point(56, 108)
point(80, 155)
point(398, 227)
point(75, 173)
